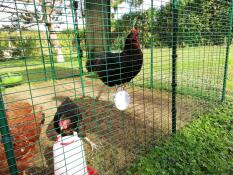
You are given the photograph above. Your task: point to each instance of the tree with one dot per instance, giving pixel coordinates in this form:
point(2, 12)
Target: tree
point(98, 23)
point(125, 24)
point(200, 22)
point(134, 3)
point(39, 13)
point(97, 15)
point(51, 12)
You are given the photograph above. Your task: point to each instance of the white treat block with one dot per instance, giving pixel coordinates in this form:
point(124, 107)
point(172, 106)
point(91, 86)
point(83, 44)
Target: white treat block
point(121, 100)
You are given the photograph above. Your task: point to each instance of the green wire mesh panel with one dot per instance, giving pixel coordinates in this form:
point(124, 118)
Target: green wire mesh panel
point(84, 50)
point(204, 44)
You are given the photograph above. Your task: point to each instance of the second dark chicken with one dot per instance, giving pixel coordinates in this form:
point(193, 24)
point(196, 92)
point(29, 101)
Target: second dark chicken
point(68, 119)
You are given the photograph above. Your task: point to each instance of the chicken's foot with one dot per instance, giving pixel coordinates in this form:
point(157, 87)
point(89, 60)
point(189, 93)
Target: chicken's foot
point(92, 144)
point(100, 92)
point(119, 87)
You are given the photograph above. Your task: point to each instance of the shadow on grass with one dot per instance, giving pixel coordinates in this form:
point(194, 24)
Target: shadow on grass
point(200, 92)
point(41, 74)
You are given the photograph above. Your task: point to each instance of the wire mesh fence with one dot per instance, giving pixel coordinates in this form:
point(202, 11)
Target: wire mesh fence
point(171, 56)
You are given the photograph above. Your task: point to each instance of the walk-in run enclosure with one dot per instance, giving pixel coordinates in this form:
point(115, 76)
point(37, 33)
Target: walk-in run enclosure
point(88, 86)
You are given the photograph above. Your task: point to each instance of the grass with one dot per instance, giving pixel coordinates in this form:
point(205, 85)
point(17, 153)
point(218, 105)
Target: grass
point(199, 74)
point(39, 64)
point(33, 70)
point(230, 74)
point(203, 147)
point(199, 69)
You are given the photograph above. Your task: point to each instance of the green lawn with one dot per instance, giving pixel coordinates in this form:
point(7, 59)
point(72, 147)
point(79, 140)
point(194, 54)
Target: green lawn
point(230, 73)
point(203, 147)
point(199, 69)
point(33, 70)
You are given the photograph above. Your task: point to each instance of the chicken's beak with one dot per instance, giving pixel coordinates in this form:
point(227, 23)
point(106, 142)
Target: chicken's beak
point(64, 124)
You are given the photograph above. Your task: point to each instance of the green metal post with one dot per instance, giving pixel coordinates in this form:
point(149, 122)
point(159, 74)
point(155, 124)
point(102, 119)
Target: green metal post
point(78, 48)
point(151, 49)
point(229, 39)
point(40, 40)
point(109, 24)
point(105, 8)
point(45, 13)
point(6, 139)
point(174, 65)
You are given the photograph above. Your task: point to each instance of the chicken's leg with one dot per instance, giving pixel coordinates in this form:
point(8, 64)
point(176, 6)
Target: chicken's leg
point(92, 144)
point(100, 92)
point(119, 87)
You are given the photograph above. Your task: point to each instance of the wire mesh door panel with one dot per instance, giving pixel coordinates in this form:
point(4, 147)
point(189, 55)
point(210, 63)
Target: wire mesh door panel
point(64, 62)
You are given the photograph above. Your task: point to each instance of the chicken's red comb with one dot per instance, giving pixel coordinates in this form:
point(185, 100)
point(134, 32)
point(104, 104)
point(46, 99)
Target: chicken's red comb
point(133, 30)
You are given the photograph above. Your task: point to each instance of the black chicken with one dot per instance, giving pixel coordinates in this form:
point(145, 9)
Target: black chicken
point(68, 119)
point(119, 68)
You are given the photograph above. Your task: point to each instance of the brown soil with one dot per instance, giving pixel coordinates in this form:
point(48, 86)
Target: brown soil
point(121, 136)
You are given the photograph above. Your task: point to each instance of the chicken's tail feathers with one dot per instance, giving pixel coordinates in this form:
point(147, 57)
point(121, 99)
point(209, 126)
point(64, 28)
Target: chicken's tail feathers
point(39, 114)
point(90, 65)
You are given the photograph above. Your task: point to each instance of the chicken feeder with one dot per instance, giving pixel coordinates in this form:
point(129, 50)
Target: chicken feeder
point(69, 156)
point(10, 79)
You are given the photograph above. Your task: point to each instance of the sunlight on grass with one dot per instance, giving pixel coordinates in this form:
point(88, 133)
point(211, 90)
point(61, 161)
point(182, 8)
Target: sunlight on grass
point(199, 69)
point(203, 147)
